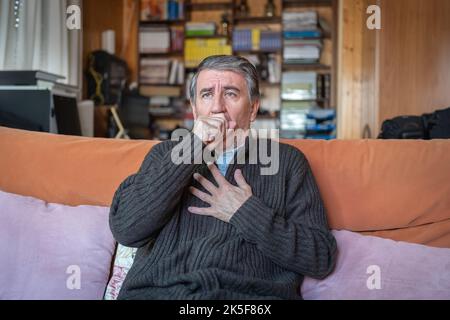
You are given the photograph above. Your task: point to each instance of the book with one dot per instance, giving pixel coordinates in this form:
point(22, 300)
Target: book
point(173, 72)
point(302, 34)
point(154, 39)
point(27, 77)
point(299, 86)
point(154, 71)
point(181, 70)
point(200, 29)
point(154, 10)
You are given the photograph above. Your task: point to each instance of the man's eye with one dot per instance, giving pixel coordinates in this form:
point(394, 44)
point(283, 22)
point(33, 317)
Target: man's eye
point(231, 94)
point(207, 95)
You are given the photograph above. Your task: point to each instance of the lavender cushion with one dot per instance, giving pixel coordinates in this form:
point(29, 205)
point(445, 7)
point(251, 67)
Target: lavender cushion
point(375, 268)
point(52, 251)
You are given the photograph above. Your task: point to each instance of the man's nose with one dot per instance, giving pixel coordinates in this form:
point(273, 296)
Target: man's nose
point(218, 105)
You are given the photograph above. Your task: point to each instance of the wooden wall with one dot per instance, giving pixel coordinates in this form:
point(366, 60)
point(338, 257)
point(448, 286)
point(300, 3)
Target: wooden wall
point(414, 57)
point(402, 69)
point(129, 50)
point(118, 15)
point(357, 71)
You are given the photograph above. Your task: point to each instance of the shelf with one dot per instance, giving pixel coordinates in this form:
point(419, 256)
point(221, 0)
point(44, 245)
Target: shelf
point(265, 20)
point(206, 37)
point(166, 116)
point(205, 7)
point(323, 36)
point(159, 22)
point(161, 85)
point(256, 51)
point(306, 66)
point(161, 54)
point(210, 6)
point(267, 117)
point(306, 100)
point(307, 3)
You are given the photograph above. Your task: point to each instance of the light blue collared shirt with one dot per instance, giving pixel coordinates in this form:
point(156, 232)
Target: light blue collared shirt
point(224, 160)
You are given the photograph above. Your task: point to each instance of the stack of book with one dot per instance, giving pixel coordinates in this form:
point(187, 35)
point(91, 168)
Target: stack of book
point(270, 41)
point(195, 50)
point(302, 51)
point(294, 118)
point(256, 40)
point(305, 120)
point(267, 65)
point(154, 39)
point(154, 71)
point(199, 29)
point(242, 40)
point(299, 94)
point(152, 10)
point(161, 71)
point(176, 75)
point(323, 125)
point(299, 85)
point(301, 25)
point(302, 43)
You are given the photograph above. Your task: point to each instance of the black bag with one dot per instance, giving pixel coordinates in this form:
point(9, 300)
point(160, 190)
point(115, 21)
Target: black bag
point(406, 127)
point(106, 78)
point(438, 124)
point(435, 125)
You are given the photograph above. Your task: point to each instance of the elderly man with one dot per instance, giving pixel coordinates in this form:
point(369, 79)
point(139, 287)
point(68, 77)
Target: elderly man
point(221, 230)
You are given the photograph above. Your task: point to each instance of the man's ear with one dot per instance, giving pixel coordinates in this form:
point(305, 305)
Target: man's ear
point(194, 110)
point(255, 108)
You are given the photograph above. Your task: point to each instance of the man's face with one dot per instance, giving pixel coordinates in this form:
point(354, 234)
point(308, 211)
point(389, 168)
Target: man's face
point(225, 94)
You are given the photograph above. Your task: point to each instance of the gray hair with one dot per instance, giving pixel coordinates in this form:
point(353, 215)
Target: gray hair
point(235, 64)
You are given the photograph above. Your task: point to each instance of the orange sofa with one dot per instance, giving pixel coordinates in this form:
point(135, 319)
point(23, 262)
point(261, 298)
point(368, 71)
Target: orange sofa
point(392, 189)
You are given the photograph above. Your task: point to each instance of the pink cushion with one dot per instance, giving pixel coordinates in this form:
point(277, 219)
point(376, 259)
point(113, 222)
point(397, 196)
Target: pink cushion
point(52, 251)
point(375, 268)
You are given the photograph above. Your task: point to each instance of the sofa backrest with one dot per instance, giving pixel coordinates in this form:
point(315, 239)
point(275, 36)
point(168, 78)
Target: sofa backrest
point(393, 189)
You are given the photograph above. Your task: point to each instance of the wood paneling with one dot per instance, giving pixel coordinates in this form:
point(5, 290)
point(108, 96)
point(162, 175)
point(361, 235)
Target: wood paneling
point(98, 16)
point(356, 70)
point(402, 69)
point(414, 57)
point(129, 50)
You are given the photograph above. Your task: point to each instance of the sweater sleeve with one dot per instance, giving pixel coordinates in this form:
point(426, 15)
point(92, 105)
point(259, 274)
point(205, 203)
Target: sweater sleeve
point(145, 201)
point(301, 240)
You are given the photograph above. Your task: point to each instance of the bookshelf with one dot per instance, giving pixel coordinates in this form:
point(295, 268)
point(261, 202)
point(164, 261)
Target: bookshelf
point(263, 40)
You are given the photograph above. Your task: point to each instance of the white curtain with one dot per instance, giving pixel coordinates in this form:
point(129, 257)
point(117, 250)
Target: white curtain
point(34, 36)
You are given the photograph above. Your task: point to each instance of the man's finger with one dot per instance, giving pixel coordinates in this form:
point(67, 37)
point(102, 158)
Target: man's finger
point(240, 180)
point(215, 122)
point(220, 179)
point(208, 185)
point(201, 195)
point(201, 211)
point(232, 125)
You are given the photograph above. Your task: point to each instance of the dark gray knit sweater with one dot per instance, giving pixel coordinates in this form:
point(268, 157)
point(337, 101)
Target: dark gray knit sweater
point(279, 235)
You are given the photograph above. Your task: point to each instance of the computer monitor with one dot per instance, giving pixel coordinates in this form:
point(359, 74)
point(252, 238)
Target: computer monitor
point(67, 117)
